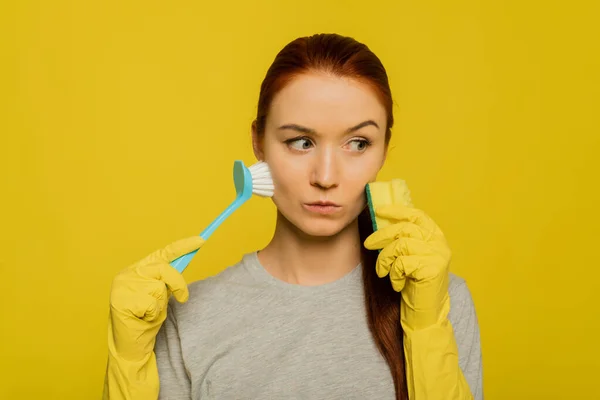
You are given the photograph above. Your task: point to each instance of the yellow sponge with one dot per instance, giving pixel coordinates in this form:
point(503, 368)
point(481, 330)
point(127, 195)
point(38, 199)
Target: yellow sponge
point(383, 194)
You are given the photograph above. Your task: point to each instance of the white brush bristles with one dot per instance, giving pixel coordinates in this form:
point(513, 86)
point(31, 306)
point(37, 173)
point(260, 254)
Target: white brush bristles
point(262, 182)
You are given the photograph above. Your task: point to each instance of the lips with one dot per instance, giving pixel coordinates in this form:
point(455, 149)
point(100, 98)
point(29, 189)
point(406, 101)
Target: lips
point(323, 203)
point(322, 207)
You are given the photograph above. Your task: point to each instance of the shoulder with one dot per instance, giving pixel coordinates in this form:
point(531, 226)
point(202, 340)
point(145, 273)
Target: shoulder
point(465, 326)
point(214, 294)
point(457, 287)
point(462, 314)
point(460, 295)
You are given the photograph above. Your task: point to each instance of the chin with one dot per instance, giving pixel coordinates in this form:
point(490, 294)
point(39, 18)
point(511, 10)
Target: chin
point(315, 225)
point(321, 228)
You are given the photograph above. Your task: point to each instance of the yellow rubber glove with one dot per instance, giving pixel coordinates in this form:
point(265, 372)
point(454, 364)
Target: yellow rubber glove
point(415, 255)
point(138, 307)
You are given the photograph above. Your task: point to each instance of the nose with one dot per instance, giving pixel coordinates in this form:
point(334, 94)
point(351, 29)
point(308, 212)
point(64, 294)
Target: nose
point(325, 169)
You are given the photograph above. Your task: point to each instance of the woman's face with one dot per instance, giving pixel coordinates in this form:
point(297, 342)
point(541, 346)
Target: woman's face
point(324, 141)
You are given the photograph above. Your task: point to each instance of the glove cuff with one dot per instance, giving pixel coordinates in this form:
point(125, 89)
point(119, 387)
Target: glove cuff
point(420, 318)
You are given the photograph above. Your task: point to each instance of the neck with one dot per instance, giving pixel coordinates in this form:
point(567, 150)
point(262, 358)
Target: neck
point(294, 257)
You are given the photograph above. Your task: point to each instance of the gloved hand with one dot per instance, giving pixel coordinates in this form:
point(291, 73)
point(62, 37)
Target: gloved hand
point(138, 307)
point(415, 255)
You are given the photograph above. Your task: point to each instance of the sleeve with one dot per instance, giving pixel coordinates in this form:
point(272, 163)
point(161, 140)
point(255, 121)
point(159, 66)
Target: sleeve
point(463, 319)
point(174, 381)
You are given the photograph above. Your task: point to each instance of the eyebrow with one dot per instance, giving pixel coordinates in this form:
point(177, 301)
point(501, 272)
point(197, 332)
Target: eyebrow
point(303, 129)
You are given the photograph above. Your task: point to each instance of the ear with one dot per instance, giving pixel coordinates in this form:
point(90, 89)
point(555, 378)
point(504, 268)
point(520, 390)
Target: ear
point(257, 143)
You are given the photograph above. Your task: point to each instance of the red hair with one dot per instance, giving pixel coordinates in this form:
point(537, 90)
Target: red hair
point(345, 57)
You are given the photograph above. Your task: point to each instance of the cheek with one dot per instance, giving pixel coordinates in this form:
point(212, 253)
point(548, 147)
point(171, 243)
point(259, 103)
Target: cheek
point(357, 175)
point(286, 175)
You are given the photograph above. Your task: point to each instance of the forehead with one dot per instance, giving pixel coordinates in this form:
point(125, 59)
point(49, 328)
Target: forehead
point(326, 102)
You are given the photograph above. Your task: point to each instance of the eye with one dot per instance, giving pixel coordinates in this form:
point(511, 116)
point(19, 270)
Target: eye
point(301, 144)
point(359, 145)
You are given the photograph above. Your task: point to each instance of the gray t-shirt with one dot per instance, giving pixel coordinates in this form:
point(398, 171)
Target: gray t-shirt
point(244, 334)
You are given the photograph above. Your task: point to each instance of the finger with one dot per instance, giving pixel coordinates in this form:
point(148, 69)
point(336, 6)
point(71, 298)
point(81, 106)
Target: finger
point(143, 306)
point(385, 259)
point(397, 275)
point(398, 213)
point(181, 247)
point(408, 246)
point(390, 233)
point(176, 249)
point(420, 268)
point(154, 310)
point(392, 256)
point(170, 277)
point(387, 263)
point(175, 282)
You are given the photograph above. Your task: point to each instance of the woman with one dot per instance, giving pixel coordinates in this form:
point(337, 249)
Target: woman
point(307, 316)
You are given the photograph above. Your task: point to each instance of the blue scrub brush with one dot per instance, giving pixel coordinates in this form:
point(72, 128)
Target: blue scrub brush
point(255, 179)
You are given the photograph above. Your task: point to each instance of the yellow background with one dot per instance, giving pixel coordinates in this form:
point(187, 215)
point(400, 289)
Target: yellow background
point(120, 122)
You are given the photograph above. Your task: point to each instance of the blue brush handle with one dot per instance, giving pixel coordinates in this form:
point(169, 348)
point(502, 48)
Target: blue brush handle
point(182, 262)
